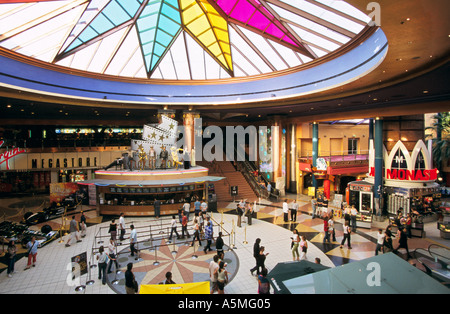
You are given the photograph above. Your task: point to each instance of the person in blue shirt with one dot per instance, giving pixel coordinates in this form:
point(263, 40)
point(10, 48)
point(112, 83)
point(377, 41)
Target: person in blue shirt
point(197, 207)
point(32, 247)
point(208, 236)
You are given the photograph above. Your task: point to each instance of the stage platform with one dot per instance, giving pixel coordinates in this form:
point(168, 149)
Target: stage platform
point(134, 192)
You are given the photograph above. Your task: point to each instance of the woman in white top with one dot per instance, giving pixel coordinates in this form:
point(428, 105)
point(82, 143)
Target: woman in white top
point(346, 235)
point(196, 233)
point(222, 277)
point(295, 243)
point(331, 228)
point(304, 247)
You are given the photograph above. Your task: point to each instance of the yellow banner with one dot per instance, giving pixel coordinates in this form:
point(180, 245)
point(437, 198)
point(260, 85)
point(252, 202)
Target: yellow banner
point(186, 288)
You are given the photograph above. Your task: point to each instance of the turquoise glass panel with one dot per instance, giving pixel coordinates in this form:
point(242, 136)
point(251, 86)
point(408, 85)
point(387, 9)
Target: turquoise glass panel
point(116, 13)
point(101, 24)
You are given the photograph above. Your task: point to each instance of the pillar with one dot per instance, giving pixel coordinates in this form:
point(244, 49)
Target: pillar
point(378, 181)
point(315, 152)
point(292, 148)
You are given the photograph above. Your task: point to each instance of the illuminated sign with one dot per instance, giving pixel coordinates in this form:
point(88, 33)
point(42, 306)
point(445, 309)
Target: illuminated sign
point(402, 165)
point(412, 175)
point(9, 154)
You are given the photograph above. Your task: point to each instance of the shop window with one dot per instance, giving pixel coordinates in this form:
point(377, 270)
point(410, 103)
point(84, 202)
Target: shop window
point(352, 146)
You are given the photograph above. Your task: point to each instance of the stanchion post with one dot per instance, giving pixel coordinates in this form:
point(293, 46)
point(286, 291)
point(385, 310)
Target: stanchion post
point(245, 236)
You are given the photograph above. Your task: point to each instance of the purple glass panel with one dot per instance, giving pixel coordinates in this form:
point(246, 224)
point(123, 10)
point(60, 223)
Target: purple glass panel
point(226, 5)
point(243, 11)
point(259, 21)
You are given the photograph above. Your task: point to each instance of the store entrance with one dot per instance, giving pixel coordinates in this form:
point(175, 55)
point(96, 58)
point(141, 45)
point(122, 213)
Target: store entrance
point(365, 201)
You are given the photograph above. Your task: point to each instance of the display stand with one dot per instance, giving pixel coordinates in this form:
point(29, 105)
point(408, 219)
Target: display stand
point(444, 226)
point(364, 219)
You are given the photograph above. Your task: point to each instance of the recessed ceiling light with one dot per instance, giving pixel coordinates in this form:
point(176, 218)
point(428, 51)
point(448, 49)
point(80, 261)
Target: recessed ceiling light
point(425, 92)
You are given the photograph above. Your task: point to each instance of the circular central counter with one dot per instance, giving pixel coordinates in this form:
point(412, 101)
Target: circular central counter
point(134, 192)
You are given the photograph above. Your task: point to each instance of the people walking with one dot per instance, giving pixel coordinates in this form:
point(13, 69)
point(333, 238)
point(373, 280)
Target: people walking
point(196, 233)
point(326, 230)
point(314, 207)
point(131, 285)
point(122, 226)
point(133, 242)
point(260, 263)
point(222, 278)
point(219, 244)
point(73, 229)
point(213, 266)
point(285, 211)
point(347, 232)
point(113, 229)
point(11, 252)
point(353, 213)
point(112, 255)
point(295, 243)
point(402, 241)
point(263, 283)
point(331, 229)
point(102, 259)
point(173, 228)
point(208, 236)
point(380, 241)
point(294, 209)
point(256, 247)
point(303, 247)
point(32, 247)
point(83, 225)
point(184, 222)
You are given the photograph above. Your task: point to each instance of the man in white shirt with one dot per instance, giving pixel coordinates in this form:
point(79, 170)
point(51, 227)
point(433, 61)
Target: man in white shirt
point(380, 241)
point(187, 209)
point(213, 265)
point(286, 211)
point(173, 228)
point(133, 242)
point(121, 227)
point(204, 206)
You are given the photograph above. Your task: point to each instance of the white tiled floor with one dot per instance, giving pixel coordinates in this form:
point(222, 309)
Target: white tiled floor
point(52, 272)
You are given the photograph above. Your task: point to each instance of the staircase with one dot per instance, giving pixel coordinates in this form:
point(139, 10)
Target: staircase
point(233, 178)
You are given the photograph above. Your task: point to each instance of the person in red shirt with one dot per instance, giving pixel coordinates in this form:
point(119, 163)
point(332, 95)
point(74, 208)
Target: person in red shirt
point(184, 222)
point(325, 229)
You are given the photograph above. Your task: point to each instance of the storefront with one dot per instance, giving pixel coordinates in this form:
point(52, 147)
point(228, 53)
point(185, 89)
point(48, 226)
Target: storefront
point(408, 183)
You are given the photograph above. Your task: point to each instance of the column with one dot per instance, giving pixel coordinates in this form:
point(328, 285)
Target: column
point(315, 152)
point(292, 148)
point(378, 181)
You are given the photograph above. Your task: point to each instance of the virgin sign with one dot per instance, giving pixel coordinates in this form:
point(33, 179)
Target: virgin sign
point(9, 154)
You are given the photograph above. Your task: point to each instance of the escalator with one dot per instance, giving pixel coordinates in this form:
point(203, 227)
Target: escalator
point(435, 261)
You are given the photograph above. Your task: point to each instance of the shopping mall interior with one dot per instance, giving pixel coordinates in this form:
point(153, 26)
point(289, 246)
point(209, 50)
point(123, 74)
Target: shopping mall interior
point(301, 109)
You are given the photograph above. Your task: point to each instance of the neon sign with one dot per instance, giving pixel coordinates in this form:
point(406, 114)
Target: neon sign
point(9, 154)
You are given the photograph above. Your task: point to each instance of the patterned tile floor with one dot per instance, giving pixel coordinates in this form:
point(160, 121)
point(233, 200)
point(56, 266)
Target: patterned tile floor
point(52, 273)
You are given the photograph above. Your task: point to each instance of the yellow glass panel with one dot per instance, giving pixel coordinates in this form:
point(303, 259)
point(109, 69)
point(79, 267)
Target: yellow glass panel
point(215, 49)
point(203, 21)
point(207, 38)
point(198, 26)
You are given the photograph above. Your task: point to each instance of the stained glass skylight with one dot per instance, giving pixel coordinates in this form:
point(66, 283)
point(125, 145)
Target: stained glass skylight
point(178, 39)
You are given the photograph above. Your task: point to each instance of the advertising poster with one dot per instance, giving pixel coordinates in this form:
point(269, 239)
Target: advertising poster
point(59, 191)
